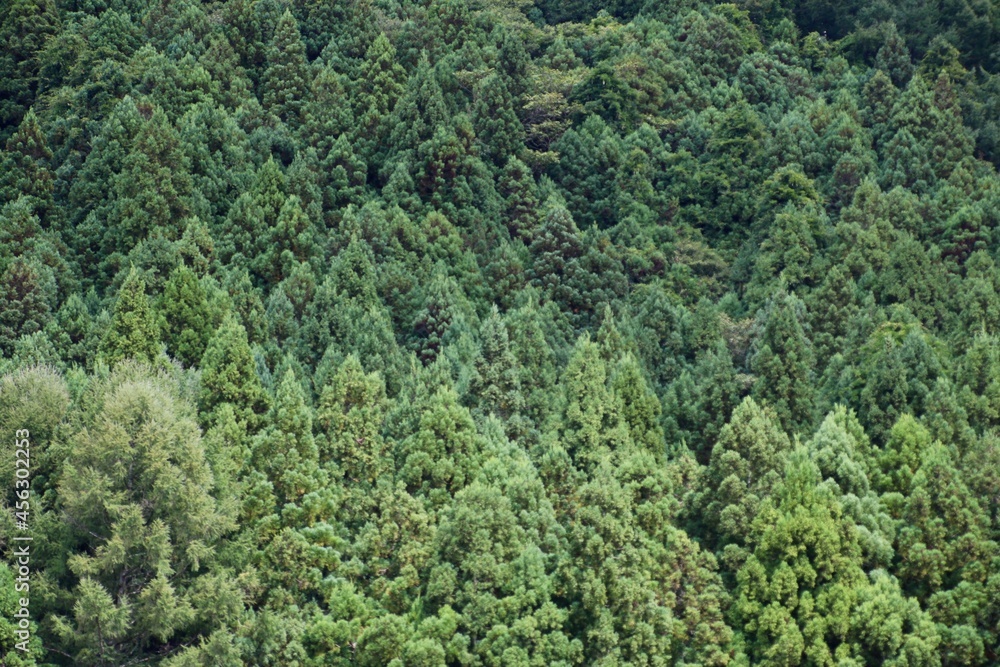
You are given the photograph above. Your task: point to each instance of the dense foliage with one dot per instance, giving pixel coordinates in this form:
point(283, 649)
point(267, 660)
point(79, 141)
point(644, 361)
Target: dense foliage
point(425, 333)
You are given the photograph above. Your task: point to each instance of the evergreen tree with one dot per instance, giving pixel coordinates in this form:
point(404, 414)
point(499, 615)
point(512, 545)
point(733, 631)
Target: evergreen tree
point(285, 451)
point(185, 317)
point(254, 214)
point(783, 361)
point(498, 130)
point(26, 29)
point(229, 376)
point(444, 455)
point(291, 241)
point(350, 414)
point(382, 84)
point(25, 166)
point(700, 402)
point(286, 80)
point(496, 376)
point(747, 463)
point(151, 192)
point(133, 333)
point(592, 425)
point(802, 593)
point(139, 553)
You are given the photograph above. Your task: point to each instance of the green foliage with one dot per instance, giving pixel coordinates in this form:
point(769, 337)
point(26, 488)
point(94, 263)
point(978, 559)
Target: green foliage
point(229, 376)
point(510, 333)
point(782, 360)
point(286, 79)
point(186, 317)
point(135, 493)
point(747, 462)
point(133, 332)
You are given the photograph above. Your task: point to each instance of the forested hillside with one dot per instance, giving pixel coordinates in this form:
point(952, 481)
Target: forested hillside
point(423, 333)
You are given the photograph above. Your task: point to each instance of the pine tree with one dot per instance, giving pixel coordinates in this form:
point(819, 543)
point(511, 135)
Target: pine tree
point(185, 317)
point(445, 453)
point(27, 27)
point(25, 166)
point(747, 462)
point(783, 362)
point(593, 424)
point(286, 80)
point(152, 189)
point(498, 130)
point(285, 451)
point(382, 84)
point(290, 242)
point(229, 376)
point(517, 187)
point(350, 415)
point(133, 333)
point(496, 377)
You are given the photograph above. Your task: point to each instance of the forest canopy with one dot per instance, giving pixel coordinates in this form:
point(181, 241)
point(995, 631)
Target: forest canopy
point(430, 333)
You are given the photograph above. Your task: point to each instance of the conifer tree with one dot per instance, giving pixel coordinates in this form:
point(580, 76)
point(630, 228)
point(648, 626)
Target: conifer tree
point(383, 82)
point(802, 593)
point(445, 453)
point(893, 57)
point(26, 28)
point(350, 414)
point(152, 189)
point(254, 213)
point(496, 376)
point(136, 491)
point(883, 398)
point(133, 333)
point(783, 363)
point(229, 376)
point(498, 129)
point(286, 451)
point(290, 242)
point(185, 317)
point(519, 191)
point(593, 424)
point(747, 462)
point(700, 402)
point(25, 165)
point(286, 80)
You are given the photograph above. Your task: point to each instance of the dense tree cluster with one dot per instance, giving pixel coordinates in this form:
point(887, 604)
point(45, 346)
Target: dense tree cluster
point(426, 333)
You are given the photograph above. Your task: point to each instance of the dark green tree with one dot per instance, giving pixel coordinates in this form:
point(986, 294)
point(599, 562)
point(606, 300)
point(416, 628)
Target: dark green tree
point(498, 130)
point(229, 376)
point(782, 360)
point(747, 462)
point(286, 81)
point(186, 320)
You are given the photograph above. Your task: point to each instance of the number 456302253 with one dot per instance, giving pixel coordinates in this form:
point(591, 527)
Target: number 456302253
point(22, 470)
